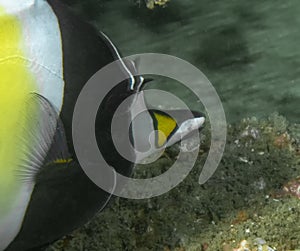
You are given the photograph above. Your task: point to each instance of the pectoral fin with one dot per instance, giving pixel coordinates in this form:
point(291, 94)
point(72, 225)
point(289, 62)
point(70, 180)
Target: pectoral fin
point(45, 141)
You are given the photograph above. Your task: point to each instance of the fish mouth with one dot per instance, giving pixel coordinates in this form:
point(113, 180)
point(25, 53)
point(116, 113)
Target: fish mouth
point(188, 129)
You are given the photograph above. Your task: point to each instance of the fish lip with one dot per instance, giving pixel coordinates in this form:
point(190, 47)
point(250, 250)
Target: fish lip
point(188, 130)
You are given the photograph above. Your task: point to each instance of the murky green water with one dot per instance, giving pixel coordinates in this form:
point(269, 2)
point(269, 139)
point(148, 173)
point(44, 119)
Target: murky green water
point(248, 49)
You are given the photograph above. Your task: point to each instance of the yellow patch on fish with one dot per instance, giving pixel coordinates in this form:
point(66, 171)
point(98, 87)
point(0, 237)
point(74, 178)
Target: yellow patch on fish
point(16, 83)
point(63, 161)
point(165, 127)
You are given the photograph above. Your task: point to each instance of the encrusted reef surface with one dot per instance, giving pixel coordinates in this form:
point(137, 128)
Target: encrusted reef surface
point(251, 202)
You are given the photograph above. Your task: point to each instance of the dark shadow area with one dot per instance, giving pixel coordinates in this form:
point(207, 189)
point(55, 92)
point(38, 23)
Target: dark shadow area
point(225, 47)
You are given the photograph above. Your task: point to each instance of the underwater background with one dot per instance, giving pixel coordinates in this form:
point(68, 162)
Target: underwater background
point(249, 50)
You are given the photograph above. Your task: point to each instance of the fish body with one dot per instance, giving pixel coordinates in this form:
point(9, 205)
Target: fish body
point(46, 56)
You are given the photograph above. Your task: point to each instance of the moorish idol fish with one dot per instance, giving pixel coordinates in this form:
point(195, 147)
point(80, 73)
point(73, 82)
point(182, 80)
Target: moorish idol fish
point(46, 56)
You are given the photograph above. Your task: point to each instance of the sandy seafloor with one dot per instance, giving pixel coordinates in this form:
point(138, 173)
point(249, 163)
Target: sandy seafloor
point(249, 50)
